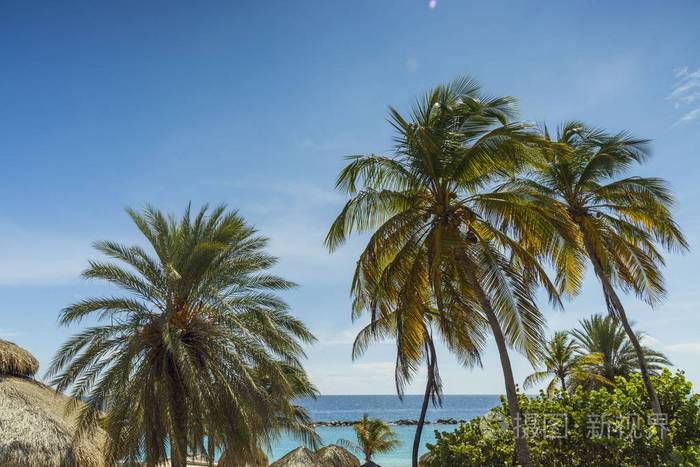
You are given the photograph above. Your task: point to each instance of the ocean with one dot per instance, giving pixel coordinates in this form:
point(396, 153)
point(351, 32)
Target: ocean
point(388, 408)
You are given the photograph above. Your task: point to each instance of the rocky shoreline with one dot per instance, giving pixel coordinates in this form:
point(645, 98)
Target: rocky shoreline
point(402, 422)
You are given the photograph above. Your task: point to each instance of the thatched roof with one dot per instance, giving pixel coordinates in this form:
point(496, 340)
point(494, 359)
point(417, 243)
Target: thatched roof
point(335, 456)
point(230, 458)
point(14, 360)
point(300, 457)
point(34, 427)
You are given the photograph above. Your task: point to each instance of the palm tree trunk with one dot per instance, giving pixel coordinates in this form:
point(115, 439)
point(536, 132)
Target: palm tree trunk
point(563, 383)
point(178, 445)
point(211, 451)
point(432, 358)
point(618, 312)
point(521, 447)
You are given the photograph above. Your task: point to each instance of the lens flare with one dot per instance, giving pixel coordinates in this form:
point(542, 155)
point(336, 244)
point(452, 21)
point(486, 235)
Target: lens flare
point(432, 4)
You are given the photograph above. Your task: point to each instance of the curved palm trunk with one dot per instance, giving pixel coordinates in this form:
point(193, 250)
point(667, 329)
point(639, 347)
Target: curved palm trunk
point(618, 311)
point(521, 447)
point(432, 358)
point(563, 383)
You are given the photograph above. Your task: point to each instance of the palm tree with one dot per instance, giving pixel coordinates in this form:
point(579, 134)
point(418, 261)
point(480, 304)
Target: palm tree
point(198, 346)
point(374, 436)
point(607, 339)
point(465, 340)
point(562, 363)
point(620, 221)
point(439, 234)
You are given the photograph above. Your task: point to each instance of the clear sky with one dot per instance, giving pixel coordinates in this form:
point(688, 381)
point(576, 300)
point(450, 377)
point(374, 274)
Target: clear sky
point(106, 105)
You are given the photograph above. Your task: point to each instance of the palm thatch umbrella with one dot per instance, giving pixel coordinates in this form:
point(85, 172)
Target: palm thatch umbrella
point(258, 458)
point(300, 457)
point(335, 456)
point(34, 427)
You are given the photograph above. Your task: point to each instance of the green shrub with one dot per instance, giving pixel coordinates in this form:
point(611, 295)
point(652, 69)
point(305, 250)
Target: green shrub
point(596, 428)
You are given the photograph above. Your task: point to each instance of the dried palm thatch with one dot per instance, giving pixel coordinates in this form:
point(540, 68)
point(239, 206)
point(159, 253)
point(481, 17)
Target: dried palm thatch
point(14, 360)
point(258, 458)
point(34, 427)
point(335, 456)
point(300, 457)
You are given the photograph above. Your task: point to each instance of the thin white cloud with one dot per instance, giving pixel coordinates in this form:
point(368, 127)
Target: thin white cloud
point(686, 93)
point(359, 378)
point(40, 257)
point(296, 215)
point(342, 337)
point(8, 333)
point(685, 348)
point(690, 116)
point(345, 336)
point(650, 340)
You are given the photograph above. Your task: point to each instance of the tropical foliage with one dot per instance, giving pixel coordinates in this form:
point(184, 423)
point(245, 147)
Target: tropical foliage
point(374, 436)
point(600, 427)
point(622, 221)
point(443, 244)
point(564, 364)
point(605, 338)
point(197, 353)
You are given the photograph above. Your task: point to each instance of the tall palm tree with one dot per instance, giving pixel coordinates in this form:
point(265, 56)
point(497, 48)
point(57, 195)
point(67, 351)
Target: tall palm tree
point(374, 436)
point(564, 364)
point(198, 345)
point(439, 233)
point(621, 221)
point(606, 338)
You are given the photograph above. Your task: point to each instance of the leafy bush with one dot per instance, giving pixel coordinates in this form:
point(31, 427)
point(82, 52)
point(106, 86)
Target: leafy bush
point(596, 428)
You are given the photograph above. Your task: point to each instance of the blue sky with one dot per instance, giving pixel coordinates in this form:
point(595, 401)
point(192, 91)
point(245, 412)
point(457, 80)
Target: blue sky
point(105, 106)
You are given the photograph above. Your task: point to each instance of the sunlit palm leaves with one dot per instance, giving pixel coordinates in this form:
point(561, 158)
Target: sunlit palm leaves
point(566, 365)
point(605, 338)
point(446, 246)
point(199, 345)
point(621, 220)
point(374, 436)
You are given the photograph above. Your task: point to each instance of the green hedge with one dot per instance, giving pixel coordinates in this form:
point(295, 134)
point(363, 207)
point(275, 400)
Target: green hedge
point(596, 428)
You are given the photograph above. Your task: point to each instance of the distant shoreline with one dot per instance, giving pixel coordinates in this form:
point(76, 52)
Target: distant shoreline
point(402, 422)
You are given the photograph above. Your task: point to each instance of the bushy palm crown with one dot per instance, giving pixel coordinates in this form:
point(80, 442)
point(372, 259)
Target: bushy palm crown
point(606, 338)
point(198, 346)
point(437, 227)
point(374, 436)
point(621, 220)
point(561, 361)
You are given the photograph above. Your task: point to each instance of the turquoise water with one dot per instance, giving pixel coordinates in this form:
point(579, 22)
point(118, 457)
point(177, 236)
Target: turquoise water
point(389, 408)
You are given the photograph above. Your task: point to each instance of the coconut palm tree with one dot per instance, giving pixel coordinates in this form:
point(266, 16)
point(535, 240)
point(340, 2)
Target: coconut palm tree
point(374, 436)
point(564, 364)
point(621, 221)
point(439, 233)
point(606, 338)
point(197, 346)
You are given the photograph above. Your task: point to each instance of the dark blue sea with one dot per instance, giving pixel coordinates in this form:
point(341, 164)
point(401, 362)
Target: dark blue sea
point(389, 408)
